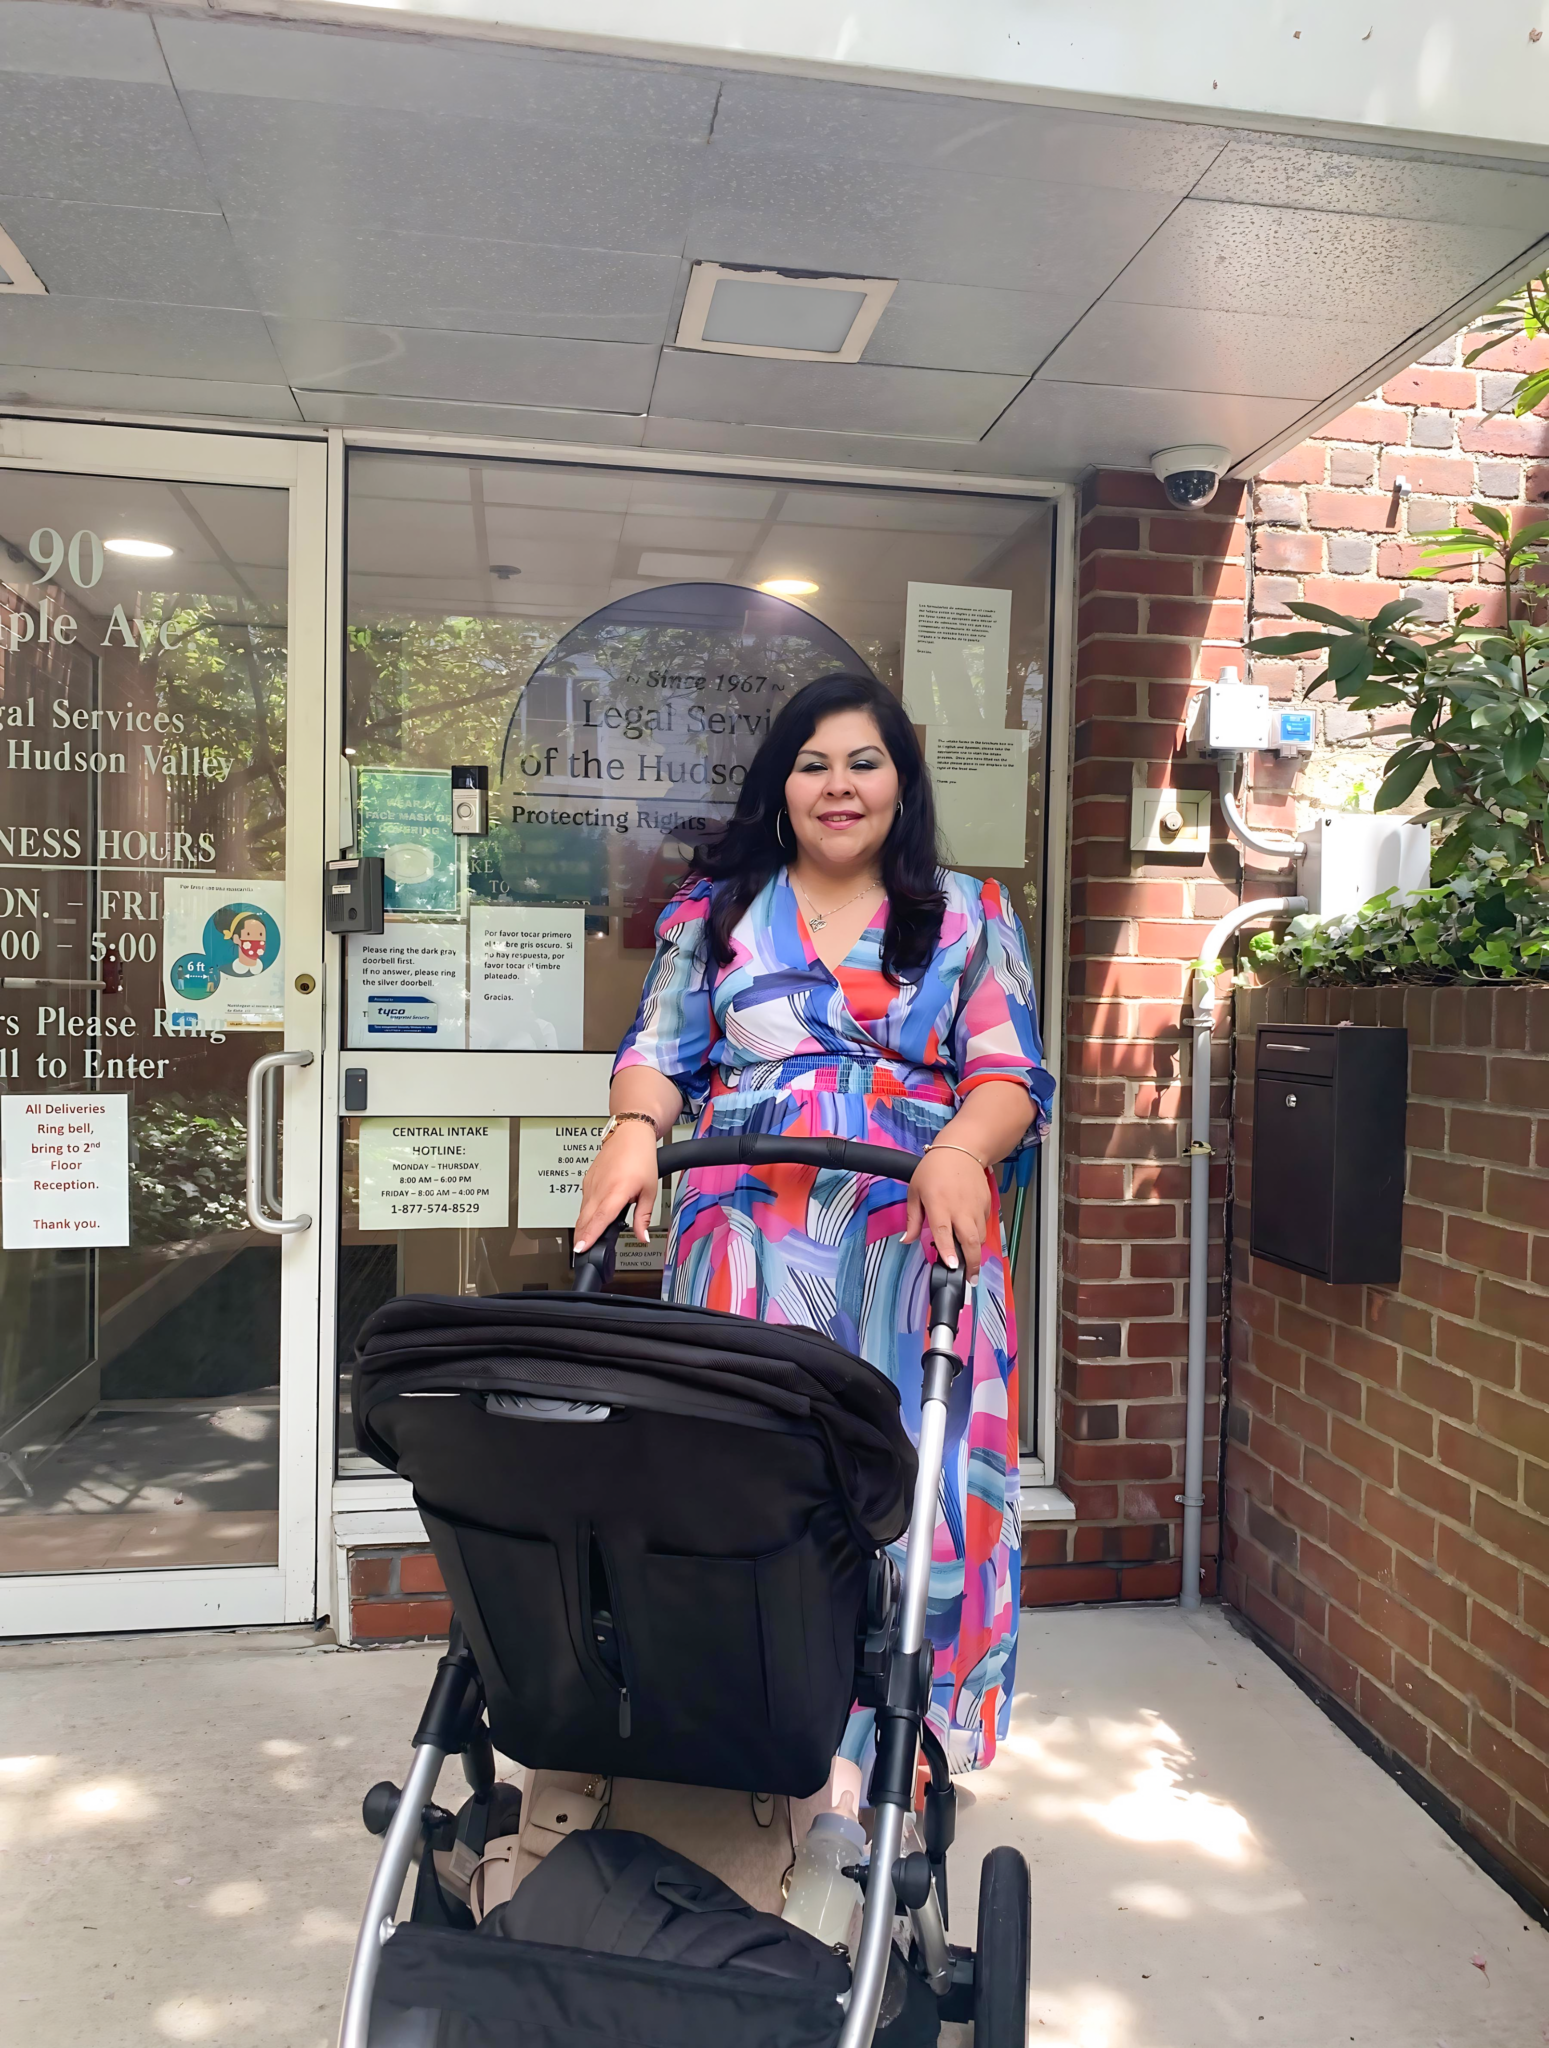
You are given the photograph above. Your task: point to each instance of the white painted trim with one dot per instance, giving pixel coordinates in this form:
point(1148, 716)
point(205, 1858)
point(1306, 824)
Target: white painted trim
point(103, 447)
point(1056, 922)
point(1046, 1504)
point(484, 1083)
point(1432, 73)
point(124, 1603)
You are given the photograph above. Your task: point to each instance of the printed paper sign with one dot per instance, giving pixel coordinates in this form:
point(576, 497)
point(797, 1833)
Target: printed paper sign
point(407, 987)
point(64, 1165)
point(551, 1161)
point(981, 795)
point(222, 954)
point(957, 654)
point(526, 979)
point(405, 815)
point(434, 1172)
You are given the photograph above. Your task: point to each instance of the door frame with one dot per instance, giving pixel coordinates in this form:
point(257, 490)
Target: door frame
point(231, 1596)
point(360, 1511)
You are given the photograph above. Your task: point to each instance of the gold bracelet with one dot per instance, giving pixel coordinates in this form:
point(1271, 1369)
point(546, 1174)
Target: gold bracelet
point(945, 1145)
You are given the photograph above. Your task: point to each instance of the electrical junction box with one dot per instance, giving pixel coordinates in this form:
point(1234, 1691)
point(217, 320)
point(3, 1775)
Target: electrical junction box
point(1169, 821)
point(1329, 1105)
point(1237, 717)
point(353, 895)
point(1353, 856)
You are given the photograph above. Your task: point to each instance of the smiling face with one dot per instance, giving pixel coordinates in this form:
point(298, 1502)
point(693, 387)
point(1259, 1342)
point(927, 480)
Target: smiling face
point(842, 794)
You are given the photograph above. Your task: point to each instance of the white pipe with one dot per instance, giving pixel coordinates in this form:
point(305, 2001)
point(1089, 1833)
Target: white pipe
point(1278, 849)
point(1205, 972)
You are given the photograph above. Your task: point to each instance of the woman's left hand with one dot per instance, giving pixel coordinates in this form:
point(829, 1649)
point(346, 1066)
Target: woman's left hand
point(951, 1194)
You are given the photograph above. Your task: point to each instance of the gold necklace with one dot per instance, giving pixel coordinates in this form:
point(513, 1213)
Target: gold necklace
point(817, 919)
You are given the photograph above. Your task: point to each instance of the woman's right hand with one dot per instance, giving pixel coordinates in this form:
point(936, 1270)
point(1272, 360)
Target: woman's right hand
point(624, 1171)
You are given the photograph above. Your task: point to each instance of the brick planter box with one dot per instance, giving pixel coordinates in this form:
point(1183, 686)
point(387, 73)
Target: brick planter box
point(1387, 1458)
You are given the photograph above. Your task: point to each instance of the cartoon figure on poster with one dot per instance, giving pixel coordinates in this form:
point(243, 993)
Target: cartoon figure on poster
point(228, 979)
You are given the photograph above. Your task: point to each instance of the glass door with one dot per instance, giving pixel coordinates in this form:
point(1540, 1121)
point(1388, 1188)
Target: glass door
point(160, 736)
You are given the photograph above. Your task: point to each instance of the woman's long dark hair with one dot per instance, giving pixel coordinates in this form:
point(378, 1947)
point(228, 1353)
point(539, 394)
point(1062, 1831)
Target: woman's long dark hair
point(749, 851)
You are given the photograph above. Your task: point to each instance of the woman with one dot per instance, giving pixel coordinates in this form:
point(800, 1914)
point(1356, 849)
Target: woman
point(820, 975)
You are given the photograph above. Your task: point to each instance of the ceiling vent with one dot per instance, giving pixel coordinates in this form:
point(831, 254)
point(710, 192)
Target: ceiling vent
point(16, 273)
point(732, 310)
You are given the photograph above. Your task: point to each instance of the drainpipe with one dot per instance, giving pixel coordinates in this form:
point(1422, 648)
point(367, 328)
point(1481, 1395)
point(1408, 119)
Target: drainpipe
point(1204, 993)
point(1279, 849)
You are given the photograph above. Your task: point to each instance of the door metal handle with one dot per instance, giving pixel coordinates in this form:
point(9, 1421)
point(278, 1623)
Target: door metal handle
point(263, 1145)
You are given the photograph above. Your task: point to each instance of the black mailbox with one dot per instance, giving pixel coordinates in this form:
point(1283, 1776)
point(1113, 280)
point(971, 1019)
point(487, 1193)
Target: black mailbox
point(1328, 1150)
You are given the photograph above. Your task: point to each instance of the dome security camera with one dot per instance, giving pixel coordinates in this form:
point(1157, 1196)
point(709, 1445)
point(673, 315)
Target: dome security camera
point(1189, 474)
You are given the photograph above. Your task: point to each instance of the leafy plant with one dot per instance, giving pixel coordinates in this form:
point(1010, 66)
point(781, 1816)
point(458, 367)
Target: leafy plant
point(1486, 922)
point(1478, 696)
point(189, 1169)
point(1525, 312)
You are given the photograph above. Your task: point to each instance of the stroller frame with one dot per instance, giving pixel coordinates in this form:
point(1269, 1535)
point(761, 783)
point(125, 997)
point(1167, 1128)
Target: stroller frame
point(895, 1675)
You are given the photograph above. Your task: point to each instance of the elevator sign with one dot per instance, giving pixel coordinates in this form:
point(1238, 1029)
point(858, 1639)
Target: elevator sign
point(64, 1170)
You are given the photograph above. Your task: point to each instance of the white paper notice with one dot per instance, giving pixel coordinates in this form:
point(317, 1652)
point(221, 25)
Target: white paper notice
point(553, 1153)
point(407, 986)
point(957, 654)
point(64, 1164)
point(221, 948)
point(980, 782)
point(526, 980)
point(434, 1172)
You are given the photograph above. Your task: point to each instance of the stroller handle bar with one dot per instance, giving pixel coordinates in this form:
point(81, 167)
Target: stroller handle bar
point(594, 1268)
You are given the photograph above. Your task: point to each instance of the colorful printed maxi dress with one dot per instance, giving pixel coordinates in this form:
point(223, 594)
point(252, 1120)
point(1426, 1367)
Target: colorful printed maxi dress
point(777, 1043)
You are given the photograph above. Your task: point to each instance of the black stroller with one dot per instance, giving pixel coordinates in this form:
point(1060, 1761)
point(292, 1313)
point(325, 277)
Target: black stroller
point(692, 1590)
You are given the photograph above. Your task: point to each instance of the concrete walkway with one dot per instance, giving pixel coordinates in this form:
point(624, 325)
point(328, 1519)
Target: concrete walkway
point(181, 1857)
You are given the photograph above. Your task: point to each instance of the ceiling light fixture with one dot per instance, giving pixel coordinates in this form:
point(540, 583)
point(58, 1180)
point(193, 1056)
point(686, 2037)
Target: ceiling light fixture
point(799, 316)
point(147, 550)
point(788, 586)
point(16, 273)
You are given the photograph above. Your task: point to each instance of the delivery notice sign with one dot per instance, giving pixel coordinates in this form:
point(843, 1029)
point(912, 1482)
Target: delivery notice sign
point(64, 1170)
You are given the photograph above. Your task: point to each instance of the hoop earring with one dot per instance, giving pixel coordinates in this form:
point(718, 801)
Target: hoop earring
point(898, 809)
point(779, 834)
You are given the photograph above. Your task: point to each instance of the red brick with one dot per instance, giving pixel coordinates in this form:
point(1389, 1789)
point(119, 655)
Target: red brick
point(1503, 435)
point(1301, 1510)
point(1481, 1683)
point(1445, 476)
point(1102, 613)
point(1519, 1084)
point(1426, 1590)
point(1468, 1785)
point(1365, 423)
point(1268, 1615)
point(1527, 1775)
point(1332, 1671)
point(1366, 1453)
point(1433, 1702)
point(1333, 1389)
point(1068, 1585)
point(1158, 1580)
point(1518, 1198)
point(1336, 510)
point(1394, 1517)
point(1370, 1357)
point(1042, 1545)
point(1487, 1247)
point(1303, 465)
point(1145, 575)
point(1124, 487)
point(1517, 1425)
point(1505, 1645)
point(1118, 1461)
point(401, 1620)
point(1392, 1723)
point(1521, 1536)
point(1454, 390)
point(370, 1574)
point(1302, 553)
point(1450, 1077)
point(1467, 1561)
point(1400, 1421)
point(1364, 1649)
point(1476, 1459)
point(1109, 530)
point(1513, 1309)
point(419, 1573)
point(1166, 659)
point(1218, 539)
point(1434, 1489)
point(1406, 1324)
point(1332, 1481)
point(1359, 1547)
point(1476, 1352)
point(1310, 1334)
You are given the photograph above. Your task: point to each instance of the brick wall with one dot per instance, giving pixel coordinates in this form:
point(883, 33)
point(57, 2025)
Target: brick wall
point(1387, 1464)
point(1161, 604)
point(397, 1596)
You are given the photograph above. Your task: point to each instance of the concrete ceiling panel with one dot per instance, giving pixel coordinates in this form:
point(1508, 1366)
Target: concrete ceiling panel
point(1339, 266)
point(498, 422)
point(943, 132)
point(370, 167)
point(490, 369)
point(89, 138)
point(879, 220)
point(968, 327)
point(1257, 170)
point(315, 269)
point(805, 444)
point(111, 334)
point(114, 391)
point(1055, 429)
point(850, 398)
point(128, 252)
point(43, 38)
point(458, 81)
point(1190, 348)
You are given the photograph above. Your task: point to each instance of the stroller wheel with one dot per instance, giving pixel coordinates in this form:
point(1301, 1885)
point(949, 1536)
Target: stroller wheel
point(1003, 1951)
